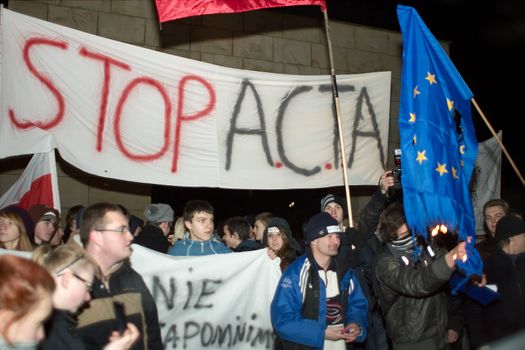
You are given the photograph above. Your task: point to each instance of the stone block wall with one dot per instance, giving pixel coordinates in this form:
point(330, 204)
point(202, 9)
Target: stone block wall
point(265, 40)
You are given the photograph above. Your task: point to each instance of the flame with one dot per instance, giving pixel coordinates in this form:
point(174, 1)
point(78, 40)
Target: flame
point(463, 258)
point(439, 229)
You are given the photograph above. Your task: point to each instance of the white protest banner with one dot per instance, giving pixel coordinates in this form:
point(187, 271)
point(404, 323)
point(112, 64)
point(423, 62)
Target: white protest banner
point(126, 112)
point(486, 178)
point(16, 252)
point(211, 302)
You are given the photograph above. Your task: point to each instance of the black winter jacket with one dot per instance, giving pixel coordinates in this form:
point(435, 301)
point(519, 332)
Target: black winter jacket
point(506, 315)
point(355, 251)
point(247, 245)
point(152, 237)
point(97, 320)
point(61, 333)
point(413, 298)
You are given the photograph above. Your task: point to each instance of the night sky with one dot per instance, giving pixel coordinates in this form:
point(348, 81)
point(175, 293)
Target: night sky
point(487, 41)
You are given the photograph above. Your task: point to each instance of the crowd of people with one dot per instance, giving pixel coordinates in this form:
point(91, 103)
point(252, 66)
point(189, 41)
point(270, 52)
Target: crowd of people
point(372, 286)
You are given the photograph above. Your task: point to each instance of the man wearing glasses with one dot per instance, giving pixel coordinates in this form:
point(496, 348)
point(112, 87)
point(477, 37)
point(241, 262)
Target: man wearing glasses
point(106, 237)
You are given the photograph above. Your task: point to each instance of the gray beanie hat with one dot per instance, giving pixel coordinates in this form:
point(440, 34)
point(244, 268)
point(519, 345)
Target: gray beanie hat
point(158, 213)
point(329, 198)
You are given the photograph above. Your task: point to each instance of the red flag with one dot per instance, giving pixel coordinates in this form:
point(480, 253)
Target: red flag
point(173, 9)
point(38, 184)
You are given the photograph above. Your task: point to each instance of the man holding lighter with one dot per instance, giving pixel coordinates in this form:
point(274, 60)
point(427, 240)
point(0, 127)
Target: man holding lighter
point(317, 304)
point(411, 286)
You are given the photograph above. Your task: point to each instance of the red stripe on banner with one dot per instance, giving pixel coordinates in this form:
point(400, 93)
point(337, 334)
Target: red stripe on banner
point(173, 9)
point(40, 192)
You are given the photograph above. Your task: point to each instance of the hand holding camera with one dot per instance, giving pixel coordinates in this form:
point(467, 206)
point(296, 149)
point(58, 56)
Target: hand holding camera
point(396, 171)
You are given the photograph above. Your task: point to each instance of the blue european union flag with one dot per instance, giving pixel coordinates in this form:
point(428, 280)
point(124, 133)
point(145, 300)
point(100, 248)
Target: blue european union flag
point(438, 140)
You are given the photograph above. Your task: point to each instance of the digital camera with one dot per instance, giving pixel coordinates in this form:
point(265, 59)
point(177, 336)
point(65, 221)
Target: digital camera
point(396, 170)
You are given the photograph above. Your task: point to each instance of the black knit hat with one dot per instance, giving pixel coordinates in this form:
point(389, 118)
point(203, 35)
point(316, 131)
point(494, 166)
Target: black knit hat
point(280, 223)
point(320, 225)
point(509, 226)
point(41, 212)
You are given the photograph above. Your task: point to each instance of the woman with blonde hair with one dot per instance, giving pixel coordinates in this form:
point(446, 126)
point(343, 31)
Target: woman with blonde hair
point(178, 230)
point(13, 234)
point(25, 302)
point(73, 270)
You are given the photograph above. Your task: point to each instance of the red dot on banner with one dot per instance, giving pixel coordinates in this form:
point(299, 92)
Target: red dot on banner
point(328, 166)
point(278, 164)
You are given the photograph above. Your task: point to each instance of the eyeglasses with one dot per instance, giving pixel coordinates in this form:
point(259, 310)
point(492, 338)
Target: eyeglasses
point(89, 285)
point(120, 230)
point(78, 258)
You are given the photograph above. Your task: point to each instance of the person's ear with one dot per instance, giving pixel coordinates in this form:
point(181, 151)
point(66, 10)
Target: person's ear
point(95, 237)
point(236, 236)
point(187, 224)
point(164, 225)
point(65, 279)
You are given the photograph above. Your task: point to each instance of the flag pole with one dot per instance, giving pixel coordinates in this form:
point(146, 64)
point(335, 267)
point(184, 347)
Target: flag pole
point(499, 141)
point(335, 94)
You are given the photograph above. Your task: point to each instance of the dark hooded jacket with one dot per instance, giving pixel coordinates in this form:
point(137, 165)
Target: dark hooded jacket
point(61, 332)
point(152, 237)
point(292, 250)
point(247, 245)
point(503, 317)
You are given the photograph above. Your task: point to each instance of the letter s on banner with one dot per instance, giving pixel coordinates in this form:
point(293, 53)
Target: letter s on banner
point(47, 82)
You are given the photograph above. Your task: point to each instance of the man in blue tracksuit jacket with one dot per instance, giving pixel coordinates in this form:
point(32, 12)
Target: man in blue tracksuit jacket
point(317, 305)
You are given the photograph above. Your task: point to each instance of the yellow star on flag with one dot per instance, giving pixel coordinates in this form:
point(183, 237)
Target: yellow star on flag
point(462, 163)
point(416, 92)
point(414, 140)
point(442, 169)
point(462, 149)
point(431, 78)
point(455, 173)
point(450, 104)
point(421, 157)
point(412, 118)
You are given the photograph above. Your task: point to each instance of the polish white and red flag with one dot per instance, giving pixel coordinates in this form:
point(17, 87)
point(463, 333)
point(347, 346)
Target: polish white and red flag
point(38, 184)
point(174, 9)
